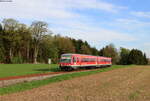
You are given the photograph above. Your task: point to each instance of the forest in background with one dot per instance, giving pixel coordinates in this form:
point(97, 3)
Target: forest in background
point(20, 43)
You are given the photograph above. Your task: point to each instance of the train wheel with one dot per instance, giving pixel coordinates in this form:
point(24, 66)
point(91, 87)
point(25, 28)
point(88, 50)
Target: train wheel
point(70, 69)
point(62, 69)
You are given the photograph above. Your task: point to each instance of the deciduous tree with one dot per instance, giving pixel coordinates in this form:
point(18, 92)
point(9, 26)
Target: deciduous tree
point(38, 30)
point(110, 51)
point(10, 37)
point(124, 54)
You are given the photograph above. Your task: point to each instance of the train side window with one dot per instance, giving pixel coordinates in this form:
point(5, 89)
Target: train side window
point(85, 60)
point(74, 59)
point(77, 59)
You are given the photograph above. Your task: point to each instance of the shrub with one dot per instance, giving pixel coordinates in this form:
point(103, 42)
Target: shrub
point(17, 60)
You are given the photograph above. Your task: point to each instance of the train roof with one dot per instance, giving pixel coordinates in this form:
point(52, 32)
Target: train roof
point(83, 55)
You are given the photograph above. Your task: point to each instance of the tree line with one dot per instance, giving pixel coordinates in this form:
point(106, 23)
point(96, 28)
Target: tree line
point(20, 43)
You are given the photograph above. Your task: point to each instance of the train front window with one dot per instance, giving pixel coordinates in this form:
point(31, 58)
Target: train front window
point(65, 59)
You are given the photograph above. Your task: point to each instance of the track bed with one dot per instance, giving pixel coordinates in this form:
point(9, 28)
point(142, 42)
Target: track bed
point(6, 81)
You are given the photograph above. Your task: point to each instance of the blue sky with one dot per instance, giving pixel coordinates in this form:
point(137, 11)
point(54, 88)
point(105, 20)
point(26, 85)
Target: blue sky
point(125, 23)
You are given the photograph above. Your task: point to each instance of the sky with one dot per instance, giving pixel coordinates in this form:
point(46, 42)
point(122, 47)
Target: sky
point(125, 23)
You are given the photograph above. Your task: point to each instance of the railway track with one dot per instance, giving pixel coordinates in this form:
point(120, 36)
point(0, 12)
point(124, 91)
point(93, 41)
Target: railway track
point(6, 81)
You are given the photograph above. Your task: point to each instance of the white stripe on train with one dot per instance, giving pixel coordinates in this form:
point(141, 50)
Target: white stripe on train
point(87, 65)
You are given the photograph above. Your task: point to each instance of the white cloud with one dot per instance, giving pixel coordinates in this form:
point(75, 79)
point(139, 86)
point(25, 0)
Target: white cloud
point(34, 9)
point(133, 21)
point(127, 21)
point(39, 9)
point(141, 14)
point(92, 33)
point(131, 24)
point(146, 48)
point(93, 4)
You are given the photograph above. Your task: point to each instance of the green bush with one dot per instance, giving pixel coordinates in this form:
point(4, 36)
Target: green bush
point(1, 55)
point(17, 60)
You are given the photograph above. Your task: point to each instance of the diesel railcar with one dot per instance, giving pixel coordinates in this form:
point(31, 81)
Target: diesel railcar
point(75, 61)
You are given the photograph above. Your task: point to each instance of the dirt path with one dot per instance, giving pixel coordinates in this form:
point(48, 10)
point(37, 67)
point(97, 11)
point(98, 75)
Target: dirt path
point(128, 84)
point(6, 81)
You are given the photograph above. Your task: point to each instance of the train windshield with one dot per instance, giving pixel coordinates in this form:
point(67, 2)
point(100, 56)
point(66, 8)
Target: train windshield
point(65, 59)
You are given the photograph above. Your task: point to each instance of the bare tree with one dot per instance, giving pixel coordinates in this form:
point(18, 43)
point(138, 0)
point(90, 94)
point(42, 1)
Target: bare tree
point(38, 30)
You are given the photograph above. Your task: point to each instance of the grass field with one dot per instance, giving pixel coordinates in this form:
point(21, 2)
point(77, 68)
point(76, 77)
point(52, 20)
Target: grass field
point(112, 84)
point(34, 84)
point(7, 70)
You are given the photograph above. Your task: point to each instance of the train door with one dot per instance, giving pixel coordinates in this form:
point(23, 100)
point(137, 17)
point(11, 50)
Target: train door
point(78, 61)
point(74, 60)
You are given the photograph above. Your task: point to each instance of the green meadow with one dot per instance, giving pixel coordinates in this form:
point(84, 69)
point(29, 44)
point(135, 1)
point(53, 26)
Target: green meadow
point(7, 70)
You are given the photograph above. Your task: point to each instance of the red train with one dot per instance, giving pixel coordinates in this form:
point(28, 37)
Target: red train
point(74, 61)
